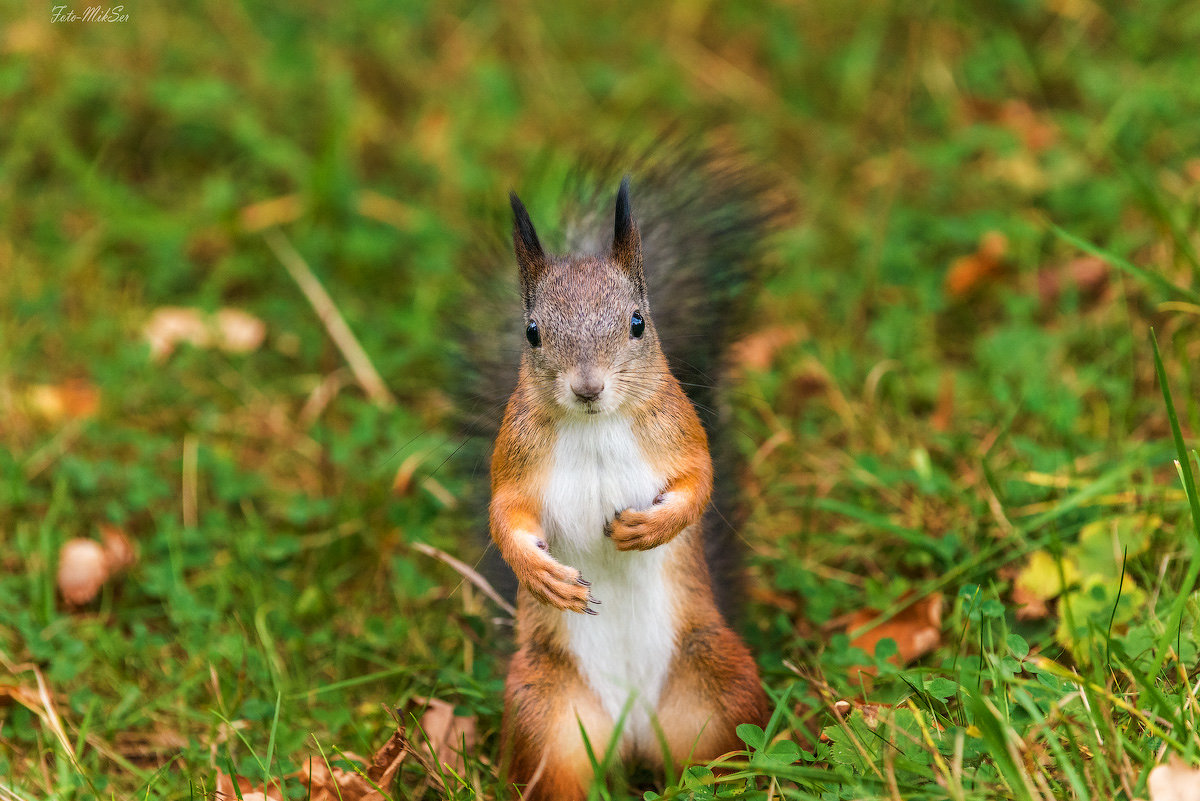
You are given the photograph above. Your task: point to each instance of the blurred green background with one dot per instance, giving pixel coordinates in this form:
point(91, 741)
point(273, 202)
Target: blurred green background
point(944, 378)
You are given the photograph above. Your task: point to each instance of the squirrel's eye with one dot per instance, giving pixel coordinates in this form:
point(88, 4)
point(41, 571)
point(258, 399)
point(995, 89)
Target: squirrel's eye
point(637, 326)
point(532, 334)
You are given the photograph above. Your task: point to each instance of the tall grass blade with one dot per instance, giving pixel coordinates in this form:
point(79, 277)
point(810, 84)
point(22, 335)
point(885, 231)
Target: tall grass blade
point(1189, 486)
point(1126, 266)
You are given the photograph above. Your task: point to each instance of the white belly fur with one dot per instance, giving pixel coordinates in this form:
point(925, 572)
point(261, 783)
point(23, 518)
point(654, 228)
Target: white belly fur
point(625, 650)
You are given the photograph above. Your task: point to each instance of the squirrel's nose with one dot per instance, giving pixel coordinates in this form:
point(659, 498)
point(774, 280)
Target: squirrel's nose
point(587, 388)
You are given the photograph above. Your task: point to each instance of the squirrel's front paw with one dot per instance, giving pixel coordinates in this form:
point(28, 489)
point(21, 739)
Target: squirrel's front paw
point(636, 530)
point(557, 585)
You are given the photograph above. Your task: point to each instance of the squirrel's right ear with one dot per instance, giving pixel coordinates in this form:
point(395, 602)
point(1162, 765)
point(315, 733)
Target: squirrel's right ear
point(531, 259)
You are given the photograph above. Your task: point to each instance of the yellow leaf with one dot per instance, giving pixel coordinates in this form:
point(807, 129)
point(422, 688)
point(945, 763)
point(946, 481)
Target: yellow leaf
point(1042, 577)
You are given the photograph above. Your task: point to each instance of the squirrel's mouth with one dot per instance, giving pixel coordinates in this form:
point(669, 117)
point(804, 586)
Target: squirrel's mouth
point(586, 406)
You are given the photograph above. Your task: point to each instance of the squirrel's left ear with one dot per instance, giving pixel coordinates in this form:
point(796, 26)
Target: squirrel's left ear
point(627, 242)
point(531, 259)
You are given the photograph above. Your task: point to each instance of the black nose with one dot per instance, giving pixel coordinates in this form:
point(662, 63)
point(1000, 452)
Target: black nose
point(587, 389)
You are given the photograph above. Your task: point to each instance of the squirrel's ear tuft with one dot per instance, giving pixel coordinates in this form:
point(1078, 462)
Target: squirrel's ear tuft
point(627, 242)
point(531, 259)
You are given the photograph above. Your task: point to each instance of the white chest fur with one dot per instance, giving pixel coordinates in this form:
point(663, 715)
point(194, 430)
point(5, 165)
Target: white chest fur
point(625, 650)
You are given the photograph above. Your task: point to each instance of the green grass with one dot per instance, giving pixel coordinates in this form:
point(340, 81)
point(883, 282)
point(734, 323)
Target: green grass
point(903, 439)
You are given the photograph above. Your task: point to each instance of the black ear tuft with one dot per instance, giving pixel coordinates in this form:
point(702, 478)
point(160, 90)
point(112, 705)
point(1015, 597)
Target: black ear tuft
point(524, 237)
point(624, 217)
point(531, 259)
point(627, 242)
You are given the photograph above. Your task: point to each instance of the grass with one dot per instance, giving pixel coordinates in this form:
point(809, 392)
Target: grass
point(907, 433)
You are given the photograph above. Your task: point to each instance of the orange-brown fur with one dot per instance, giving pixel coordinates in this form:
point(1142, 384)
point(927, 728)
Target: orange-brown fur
point(712, 683)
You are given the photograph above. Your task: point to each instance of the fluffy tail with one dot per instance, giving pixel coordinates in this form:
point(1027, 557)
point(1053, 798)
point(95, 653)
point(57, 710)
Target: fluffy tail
point(704, 216)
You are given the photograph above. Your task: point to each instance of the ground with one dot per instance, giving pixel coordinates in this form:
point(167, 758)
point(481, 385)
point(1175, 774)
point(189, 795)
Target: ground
point(971, 553)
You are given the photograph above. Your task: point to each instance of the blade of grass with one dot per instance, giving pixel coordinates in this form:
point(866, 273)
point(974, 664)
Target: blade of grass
point(1175, 617)
point(271, 736)
point(1121, 264)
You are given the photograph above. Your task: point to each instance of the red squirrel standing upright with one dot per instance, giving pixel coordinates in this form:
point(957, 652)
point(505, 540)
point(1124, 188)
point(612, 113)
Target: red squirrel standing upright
point(600, 476)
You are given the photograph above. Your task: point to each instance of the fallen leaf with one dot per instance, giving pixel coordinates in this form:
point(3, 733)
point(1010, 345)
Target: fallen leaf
point(270, 213)
point(1041, 579)
point(323, 783)
point(385, 209)
point(74, 399)
point(402, 484)
point(757, 351)
point(916, 630)
point(870, 712)
point(1029, 605)
point(968, 273)
point(1088, 274)
point(24, 696)
point(1174, 781)
point(151, 747)
point(943, 412)
point(1036, 131)
point(239, 787)
point(447, 736)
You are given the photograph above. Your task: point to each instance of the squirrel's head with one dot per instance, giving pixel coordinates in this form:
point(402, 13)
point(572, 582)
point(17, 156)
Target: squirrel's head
point(589, 337)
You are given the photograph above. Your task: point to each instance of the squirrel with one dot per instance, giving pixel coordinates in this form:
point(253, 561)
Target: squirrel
point(600, 478)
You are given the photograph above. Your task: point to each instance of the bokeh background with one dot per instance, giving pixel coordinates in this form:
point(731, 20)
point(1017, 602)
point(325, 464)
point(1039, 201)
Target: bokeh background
point(948, 395)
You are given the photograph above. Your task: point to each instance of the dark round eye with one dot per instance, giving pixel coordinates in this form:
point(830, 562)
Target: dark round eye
point(637, 326)
point(533, 335)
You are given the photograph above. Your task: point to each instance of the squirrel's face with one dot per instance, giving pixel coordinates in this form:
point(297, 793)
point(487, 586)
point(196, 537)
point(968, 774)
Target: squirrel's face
point(590, 342)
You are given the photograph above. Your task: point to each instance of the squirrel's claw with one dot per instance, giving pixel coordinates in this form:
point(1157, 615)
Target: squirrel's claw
point(636, 530)
point(559, 586)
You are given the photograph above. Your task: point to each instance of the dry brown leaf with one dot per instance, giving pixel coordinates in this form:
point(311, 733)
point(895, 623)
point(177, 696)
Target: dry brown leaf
point(328, 784)
point(1037, 132)
point(24, 696)
point(968, 273)
point(270, 213)
point(385, 209)
point(943, 412)
point(402, 484)
point(149, 747)
point(757, 351)
point(74, 399)
point(917, 630)
point(231, 788)
point(1029, 605)
point(1088, 274)
point(1174, 781)
point(447, 735)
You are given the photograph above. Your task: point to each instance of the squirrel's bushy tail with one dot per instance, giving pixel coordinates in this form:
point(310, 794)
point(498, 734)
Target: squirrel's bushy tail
point(704, 215)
